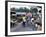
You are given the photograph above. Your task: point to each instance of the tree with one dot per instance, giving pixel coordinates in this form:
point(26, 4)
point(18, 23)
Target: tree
point(13, 9)
point(34, 11)
point(17, 10)
point(21, 9)
point(26, 9)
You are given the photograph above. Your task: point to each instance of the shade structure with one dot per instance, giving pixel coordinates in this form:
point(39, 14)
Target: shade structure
point(29, 14)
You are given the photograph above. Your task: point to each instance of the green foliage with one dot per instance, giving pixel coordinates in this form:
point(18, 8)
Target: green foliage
point(24, 9)
point(21, 9)
point(12, 9)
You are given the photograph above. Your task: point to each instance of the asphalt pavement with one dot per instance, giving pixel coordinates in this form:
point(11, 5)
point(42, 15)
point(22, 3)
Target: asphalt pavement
point(21, 28)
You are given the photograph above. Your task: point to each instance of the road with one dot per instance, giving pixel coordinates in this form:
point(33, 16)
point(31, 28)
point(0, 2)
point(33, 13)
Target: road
point(19, 28)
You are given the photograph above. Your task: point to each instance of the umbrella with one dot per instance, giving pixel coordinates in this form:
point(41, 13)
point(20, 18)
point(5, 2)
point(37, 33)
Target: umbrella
point(29, 14)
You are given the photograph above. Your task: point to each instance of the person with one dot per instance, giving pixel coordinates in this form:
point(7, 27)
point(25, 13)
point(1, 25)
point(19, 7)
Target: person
point(29, 15)
point(24, 21)
point(32, 20)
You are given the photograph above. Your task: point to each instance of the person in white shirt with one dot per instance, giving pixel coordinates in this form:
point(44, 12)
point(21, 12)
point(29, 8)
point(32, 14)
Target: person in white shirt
point(24, 20)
